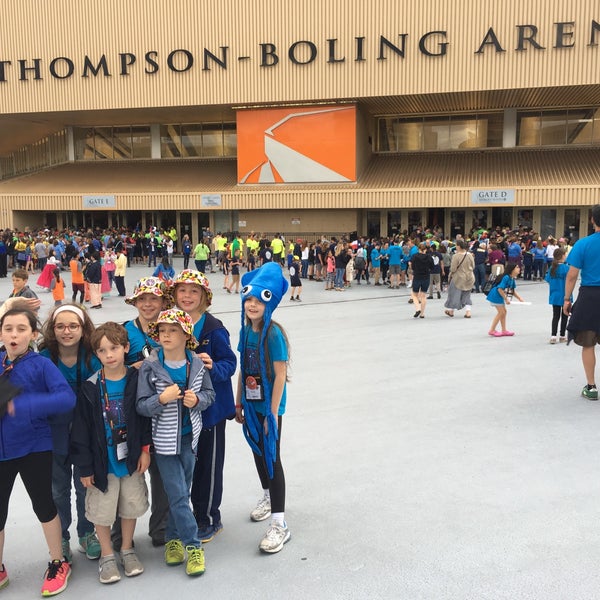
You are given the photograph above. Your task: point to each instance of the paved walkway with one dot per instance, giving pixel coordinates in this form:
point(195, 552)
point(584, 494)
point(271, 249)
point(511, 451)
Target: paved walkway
point(424, 460)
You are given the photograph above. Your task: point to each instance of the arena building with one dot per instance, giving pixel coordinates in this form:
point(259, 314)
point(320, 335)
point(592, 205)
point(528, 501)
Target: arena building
point(307, 118)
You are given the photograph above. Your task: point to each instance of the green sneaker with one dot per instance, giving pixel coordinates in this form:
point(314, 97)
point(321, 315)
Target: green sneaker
point(174, 553)
point(90, 545)
point(195, 561)
point(66, 551)
point(591, 393)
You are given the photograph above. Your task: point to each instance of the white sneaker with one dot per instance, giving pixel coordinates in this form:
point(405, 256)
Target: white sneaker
point(275, 538)
point(553, 339)
point(262, 510)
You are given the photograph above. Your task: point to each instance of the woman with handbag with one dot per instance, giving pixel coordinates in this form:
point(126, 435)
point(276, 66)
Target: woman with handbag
point(461, 280)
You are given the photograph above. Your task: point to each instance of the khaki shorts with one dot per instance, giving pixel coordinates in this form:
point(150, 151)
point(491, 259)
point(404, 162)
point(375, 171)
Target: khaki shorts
point(126, 497)
point(586, 339)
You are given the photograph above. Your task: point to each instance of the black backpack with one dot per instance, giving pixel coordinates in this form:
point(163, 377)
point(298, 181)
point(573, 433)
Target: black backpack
point(492, 282)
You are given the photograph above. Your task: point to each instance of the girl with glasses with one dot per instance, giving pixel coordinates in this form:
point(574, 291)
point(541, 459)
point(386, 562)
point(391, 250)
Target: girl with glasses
point(66, 342)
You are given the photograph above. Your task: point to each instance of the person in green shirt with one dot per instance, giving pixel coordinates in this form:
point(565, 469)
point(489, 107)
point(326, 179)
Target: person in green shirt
point(201, 254)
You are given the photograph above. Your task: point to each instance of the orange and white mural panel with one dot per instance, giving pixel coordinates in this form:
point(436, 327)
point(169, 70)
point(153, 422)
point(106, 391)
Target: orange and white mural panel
point(297, 145)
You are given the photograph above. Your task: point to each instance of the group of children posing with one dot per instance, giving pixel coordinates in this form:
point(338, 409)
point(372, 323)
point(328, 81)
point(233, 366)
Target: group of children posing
point(98, 407)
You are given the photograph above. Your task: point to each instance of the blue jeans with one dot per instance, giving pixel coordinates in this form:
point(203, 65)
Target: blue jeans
point(177, 471)
point(479, 272)
point(339, 278)
point(63, 473)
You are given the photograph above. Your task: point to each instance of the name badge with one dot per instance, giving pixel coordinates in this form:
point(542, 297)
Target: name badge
point(253, 389)
point(120, 442)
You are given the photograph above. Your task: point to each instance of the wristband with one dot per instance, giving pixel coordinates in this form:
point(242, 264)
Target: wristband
point(238, 406)
point(146, 448)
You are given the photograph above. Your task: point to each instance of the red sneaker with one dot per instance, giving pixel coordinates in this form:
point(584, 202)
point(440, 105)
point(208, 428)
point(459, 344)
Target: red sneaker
point(3, 578)
point(56, 577)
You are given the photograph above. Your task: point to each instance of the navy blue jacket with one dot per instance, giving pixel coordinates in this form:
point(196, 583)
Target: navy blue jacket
point(214, 340)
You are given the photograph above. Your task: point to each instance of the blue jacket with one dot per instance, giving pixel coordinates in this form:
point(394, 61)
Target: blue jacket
point(45, 392)
point(214, 340)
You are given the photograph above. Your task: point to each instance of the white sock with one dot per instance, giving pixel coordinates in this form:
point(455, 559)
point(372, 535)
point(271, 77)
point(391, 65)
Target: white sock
point(267, 495)
point(278, 519)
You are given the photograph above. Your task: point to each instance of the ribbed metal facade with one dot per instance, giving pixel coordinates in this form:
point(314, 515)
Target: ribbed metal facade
point(346, 48)
point(69, 28)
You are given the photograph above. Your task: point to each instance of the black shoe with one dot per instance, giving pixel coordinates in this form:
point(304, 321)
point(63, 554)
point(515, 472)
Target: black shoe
point(439, 295)
point(410, 301)
point(429, 297)
point(417, 314)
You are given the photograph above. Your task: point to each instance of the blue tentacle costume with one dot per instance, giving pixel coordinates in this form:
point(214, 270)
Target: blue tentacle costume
point(268, 285)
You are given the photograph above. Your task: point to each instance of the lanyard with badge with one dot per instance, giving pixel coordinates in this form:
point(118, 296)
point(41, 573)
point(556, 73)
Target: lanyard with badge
point(118, 431)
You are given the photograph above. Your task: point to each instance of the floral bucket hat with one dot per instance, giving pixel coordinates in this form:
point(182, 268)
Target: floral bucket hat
point(150, 285)
point(191, 276)
point(178, 317)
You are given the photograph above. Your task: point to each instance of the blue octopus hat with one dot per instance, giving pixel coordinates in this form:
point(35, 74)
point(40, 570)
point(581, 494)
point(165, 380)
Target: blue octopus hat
point(268, 285)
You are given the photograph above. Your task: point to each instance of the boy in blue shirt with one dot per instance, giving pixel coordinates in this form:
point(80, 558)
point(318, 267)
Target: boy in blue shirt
point(110, 445)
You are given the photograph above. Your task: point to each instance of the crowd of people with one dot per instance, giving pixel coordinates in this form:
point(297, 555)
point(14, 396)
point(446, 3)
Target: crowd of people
point(94, 408)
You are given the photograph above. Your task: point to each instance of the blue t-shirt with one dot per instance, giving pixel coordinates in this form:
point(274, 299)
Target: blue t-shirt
point(198, 326)
point(375, 254)
point(137, 341)
point(114, 417)
point(178, 373)
point(395, 254)
point(70, 373)
point(585, 256)
point(494, 296)
point(251, 357)
point(556, 296)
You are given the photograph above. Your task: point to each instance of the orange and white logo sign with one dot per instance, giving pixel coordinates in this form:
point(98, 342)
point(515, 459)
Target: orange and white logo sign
point(297, 145)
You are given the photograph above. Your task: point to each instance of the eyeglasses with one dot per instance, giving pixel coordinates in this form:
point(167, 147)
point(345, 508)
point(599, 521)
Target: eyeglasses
point(69, 326)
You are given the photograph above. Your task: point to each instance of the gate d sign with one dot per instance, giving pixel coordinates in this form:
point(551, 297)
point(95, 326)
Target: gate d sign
point(493, 197)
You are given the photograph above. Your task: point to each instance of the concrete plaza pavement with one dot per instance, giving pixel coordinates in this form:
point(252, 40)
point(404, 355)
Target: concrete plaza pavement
point(424, 460)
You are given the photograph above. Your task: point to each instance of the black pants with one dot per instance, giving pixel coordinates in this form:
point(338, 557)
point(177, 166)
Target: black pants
point(207, 485)
point(276, 486)
point(559, 315)
point(35, 470)
point(120, 284)
point(3, 265)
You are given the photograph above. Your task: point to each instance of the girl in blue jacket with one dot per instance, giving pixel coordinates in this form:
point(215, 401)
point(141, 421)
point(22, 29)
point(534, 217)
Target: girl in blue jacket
point(556, 276)
point(37, 391)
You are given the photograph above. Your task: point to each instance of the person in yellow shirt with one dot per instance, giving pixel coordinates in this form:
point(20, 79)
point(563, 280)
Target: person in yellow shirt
point(277, 247)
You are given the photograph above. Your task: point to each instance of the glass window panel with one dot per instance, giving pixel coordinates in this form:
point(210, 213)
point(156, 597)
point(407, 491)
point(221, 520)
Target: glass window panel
point(554, 128)
point(572, 218)
point(122, 143)
point(141, 142)
point(528, 129)
point(191, 140)
point(212, 139)
point(436, 133)
point(492, 129)
point(463, 133)
point(84, 144)
point(229, 139)
point(386, 140)
point(548, 226)
point(103, 146)
point(408, 135)
point(596, 128)
point(580, 126)
point(170, 141)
